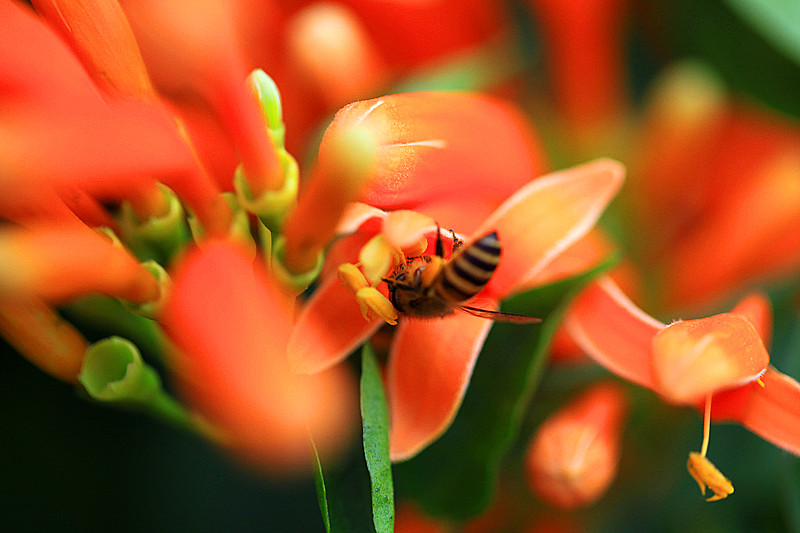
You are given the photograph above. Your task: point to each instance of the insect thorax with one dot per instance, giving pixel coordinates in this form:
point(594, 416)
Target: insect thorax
point(412, 288)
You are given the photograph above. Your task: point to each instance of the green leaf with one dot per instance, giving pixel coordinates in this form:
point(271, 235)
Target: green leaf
point(455, 477)
point(752, 44)
point(375, 417)
point(322, 496)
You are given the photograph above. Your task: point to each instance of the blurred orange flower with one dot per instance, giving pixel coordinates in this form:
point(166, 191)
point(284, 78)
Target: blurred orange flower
point(573, 456)
point(231, 323)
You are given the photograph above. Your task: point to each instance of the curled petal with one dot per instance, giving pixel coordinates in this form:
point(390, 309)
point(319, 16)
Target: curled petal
point(232, 325)
point(547, 216)
point(329, 327)
point(614, 332)
point(429, 368)
point(356, 214)
point(757, 309)
point(405, 229)
point(693, 358)
point(771, 411)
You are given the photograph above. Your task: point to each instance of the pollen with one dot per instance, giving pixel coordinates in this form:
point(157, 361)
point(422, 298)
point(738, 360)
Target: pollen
point(708, 476)
point(375, 305)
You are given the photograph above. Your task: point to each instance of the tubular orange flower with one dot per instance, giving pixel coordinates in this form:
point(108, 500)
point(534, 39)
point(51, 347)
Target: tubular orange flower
point(640, 349)
point(191, 49)
point(331, 49)
point(431, 361)
point(57, 263)
point(573, 457)
point(101, 37)
point(59, 134)
point(584, 57)
point(232, 332)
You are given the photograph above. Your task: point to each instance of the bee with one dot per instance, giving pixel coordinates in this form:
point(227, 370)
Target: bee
point(432, 286)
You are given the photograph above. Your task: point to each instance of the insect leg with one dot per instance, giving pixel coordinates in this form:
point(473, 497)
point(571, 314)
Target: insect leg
point(457, 243)
point(439, 245)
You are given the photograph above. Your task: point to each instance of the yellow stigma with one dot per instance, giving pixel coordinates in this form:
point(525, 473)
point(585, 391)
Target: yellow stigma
point(374, 304)
point(708, 476)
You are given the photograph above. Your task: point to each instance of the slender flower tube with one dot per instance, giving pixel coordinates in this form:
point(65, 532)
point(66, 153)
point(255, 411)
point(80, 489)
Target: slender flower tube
point(584, 57)
point(57, 264)
point(99, 34)
point(573, 457)
point(191, 49)
point(40, 335)
point(59, 133)
point(430, 361)
point(332, 51)
point(232, 332)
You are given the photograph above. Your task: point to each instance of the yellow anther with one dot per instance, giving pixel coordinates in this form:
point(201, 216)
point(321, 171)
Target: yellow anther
point(708, 476)
point(377, 258)
point(374, 304)
point(351, 277)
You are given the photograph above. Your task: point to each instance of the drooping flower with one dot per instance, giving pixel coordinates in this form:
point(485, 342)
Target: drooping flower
point(574, 454)
point(431, 360)
point(691, 361)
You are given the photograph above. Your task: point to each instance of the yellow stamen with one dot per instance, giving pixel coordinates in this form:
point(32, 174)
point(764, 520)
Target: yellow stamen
point(702, 470)
point(708, 476)
point(706, 426)
point(374, 304)
point(351, 277)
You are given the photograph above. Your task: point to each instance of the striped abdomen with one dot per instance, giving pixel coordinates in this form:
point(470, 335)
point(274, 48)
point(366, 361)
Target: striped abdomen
point(469, 270)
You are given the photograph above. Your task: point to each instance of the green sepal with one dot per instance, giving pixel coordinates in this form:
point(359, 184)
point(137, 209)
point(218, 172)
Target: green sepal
point(152, 309)
point(158, 238)
point(114, 372)
point(239, 230)
point(271, 206)
point(297, 283)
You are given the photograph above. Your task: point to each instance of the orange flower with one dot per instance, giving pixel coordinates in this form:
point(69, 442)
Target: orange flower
point(431, 360)
point(232, 332)
point(715, 189)
point(573, 457)
point(58, 134)
point(688, 361)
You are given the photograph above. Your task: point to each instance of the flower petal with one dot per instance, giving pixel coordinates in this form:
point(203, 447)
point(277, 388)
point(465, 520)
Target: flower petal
point(329, 327)
point(546, 216)
point(429, 368)
point(770, 412)
point(613, 331)
point(693, 358)
point(427, 138)
point(404, 228)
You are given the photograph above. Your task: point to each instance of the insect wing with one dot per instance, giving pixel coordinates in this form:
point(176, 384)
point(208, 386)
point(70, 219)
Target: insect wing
point(498, 316)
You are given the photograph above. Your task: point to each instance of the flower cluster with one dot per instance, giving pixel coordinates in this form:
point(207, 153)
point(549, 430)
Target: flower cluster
point(168, 184)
